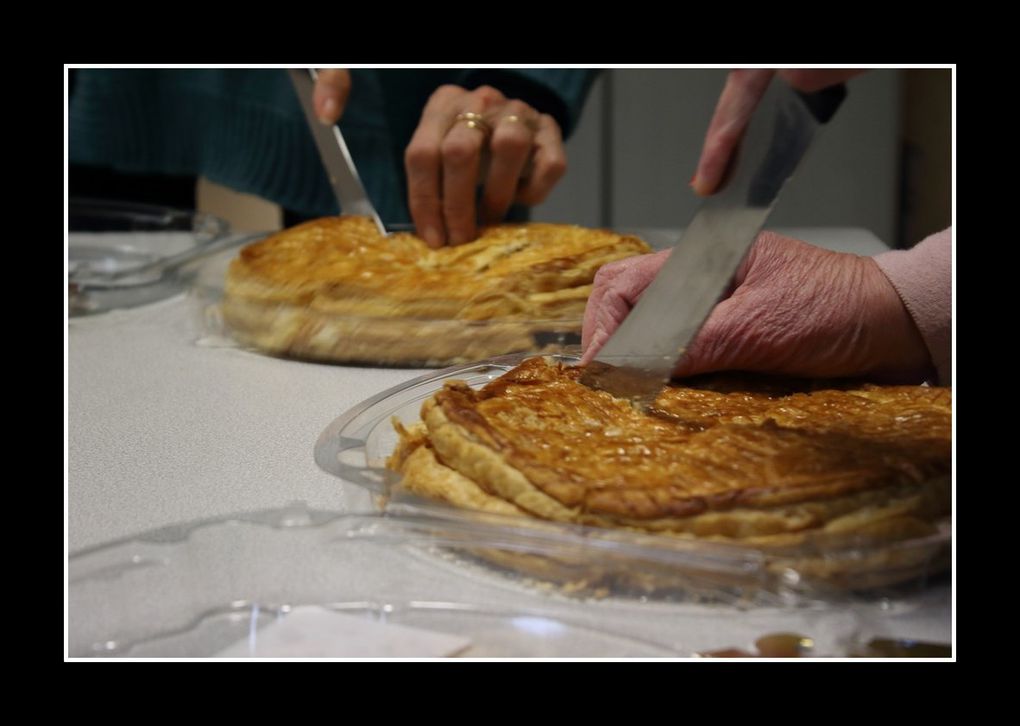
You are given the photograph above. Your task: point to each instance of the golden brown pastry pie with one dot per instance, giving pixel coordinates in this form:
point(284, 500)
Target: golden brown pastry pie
point(335, 289)
point(726, 458)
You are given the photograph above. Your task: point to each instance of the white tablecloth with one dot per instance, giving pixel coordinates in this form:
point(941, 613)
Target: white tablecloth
point(164, 430)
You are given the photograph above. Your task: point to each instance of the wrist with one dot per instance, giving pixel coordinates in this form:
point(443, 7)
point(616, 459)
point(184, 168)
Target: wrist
point(895, 342)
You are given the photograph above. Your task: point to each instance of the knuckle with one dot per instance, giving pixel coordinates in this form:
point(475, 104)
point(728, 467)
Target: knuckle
point(458, 151)
point(510, 142)
point(496, 202)
point(446, 91)
point(421, 155)
point(456, 208)
point(556, 169)
point(421, 209)
point(518, 108)
point(489, 95)
point(422, 199)
point(549, 122)
point(607, 273)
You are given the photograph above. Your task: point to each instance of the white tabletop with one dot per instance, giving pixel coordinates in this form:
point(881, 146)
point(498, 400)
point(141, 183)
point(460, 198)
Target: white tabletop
point(163, 429)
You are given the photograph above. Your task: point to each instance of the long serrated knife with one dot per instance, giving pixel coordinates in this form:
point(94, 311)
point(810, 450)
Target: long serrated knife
point(638, 359)
point(343, 176)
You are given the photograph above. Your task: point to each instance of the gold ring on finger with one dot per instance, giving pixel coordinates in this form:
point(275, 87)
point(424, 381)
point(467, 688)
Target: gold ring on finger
point(473, 121)
point(515, 119)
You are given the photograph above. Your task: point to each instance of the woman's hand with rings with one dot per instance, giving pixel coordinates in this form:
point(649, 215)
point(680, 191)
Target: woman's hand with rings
point(444, 161)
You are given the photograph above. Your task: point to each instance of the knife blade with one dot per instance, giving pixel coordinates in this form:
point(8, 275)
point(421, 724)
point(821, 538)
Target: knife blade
point(336, 158)
point(638, 359)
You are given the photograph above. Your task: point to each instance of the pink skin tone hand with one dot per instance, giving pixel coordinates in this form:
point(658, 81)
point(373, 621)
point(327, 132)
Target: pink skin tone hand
point(741, 95)
point(793, 309)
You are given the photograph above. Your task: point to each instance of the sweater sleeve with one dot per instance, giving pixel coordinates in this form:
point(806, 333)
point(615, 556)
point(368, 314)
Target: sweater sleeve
point(559, 92)
point(923, 278)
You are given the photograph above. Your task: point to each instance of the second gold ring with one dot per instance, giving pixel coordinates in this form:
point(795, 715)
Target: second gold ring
point(513, 118)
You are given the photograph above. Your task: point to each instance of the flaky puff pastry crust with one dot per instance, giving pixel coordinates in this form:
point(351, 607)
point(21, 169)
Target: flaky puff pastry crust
point(724, 458)
point(335, 289)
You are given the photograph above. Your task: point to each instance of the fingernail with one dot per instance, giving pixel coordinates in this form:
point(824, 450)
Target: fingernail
point(328, 112)
point(699, 188)
point(432, 237)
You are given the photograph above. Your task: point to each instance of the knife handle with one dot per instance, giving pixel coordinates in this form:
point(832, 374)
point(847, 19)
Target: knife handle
point(823, 104)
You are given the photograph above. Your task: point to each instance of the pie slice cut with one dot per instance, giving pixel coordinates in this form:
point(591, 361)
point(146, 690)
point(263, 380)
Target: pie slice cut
point(729, 458)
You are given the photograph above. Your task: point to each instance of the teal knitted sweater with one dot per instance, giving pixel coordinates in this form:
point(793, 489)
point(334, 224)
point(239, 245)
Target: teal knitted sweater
point(245, 129)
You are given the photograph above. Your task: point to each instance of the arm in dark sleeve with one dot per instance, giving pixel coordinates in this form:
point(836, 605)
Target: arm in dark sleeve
point(559, 92)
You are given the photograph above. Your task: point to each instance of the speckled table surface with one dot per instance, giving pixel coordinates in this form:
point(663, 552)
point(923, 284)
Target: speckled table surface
point(162, 429)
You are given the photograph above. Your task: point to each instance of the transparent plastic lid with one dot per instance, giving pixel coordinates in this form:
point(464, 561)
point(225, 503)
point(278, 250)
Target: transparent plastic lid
point(224, 587)
point(212, 588)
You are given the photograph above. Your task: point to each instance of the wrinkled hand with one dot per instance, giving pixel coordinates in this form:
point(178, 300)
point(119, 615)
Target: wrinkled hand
point(794, 309)
point(741, 95)
point(332, 89)
point(444, 161)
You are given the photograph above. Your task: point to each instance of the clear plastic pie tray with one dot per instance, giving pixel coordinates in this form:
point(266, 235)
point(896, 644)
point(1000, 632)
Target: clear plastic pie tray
point(224, 586)
point(617, 562)
point(199, 589)
point(121, 255)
